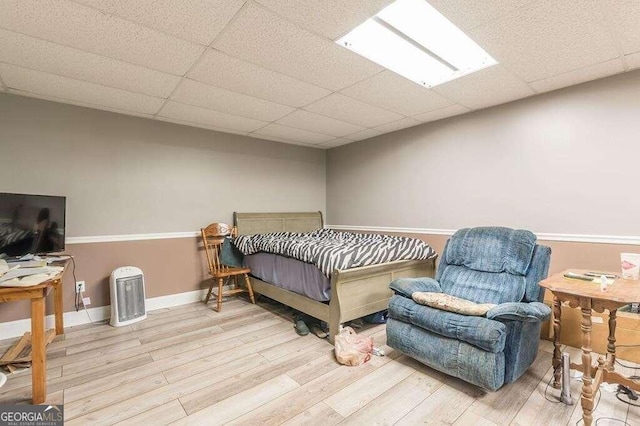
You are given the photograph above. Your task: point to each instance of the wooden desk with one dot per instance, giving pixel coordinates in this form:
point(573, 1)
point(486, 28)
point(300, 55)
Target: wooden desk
point(588, 296)
point(37, 295)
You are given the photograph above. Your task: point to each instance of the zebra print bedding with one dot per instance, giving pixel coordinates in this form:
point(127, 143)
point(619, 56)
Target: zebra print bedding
point(330, 250)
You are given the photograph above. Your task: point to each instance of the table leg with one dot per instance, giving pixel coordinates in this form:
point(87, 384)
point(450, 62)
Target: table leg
point(587, 380)
point(556, 361)
point(38, 351)
point(611, 347)
point(58, 307)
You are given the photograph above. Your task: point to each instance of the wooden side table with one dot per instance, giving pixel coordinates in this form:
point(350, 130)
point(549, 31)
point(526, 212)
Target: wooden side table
point(39, 338)
point(588, 296)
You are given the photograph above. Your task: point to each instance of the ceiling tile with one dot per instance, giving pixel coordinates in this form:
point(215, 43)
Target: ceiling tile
point(441, 113)
point(40, 83)
point(582, 75)
point(365, 134)
point(548, 37)
point(398, 125)
point(317, 123)
point(272, 138)
point(221, 70)
point(352, 111)
point(208, 117)
point(335, 142)
point(29, 52)
point(390, 91)
point(198, 21)
point(200, 125)
point(195, 93)
point(331, 18)
point(80, 103)
point(265, 39)
point(623, 17)
point(84, 28)
point(490, 86)
point(633, 61)
point(468, 14)
point(292, 135)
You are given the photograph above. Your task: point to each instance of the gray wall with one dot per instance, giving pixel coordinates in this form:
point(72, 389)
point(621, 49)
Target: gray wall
point(563, 162)
point(129, 175)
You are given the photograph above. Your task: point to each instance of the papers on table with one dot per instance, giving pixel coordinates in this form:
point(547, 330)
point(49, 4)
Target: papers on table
point(25, 277)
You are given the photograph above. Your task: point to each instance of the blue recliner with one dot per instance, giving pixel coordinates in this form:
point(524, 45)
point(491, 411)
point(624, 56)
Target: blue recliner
point(494, 265)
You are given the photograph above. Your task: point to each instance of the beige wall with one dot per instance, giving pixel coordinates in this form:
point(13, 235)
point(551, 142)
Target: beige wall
point(128, 175)
point(564, 162)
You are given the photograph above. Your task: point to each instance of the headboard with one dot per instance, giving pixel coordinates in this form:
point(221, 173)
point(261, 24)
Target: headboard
point(262, 223)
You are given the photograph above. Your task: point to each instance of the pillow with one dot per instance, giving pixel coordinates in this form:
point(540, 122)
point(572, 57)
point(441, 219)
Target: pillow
point(230, 255)
point(447, 302)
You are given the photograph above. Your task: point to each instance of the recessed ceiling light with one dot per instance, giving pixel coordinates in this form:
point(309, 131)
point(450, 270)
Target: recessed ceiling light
point(413, 39)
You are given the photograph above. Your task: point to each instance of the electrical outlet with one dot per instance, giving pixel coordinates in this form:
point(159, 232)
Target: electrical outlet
point(80, 288)
point(86, 301)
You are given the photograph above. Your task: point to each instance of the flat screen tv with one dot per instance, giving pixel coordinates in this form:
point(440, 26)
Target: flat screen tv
point(31, 224)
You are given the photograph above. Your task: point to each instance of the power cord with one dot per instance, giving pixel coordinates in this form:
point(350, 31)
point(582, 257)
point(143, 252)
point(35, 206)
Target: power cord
point(555, 370)
point(624, 422)
point(87, 311)
point(73, 273)
point(594, 408)
point(104, 321)
point(621, 390)
point(79, 294)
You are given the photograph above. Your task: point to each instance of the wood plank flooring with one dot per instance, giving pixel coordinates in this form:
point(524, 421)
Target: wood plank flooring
point(190, 365)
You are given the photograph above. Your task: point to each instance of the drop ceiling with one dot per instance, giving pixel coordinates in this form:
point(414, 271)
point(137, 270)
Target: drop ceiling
point(270, 69)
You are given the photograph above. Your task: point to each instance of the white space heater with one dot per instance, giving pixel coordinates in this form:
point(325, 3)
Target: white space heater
point(127, 296)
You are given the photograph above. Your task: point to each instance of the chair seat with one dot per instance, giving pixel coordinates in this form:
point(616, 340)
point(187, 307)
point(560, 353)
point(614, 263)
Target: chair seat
point(230, 272)
point(480, 332)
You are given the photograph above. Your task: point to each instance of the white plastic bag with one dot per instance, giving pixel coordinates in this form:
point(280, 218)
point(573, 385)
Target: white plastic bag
point(352, 349)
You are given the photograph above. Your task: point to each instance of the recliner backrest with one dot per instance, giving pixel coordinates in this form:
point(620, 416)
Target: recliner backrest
point(493, 265)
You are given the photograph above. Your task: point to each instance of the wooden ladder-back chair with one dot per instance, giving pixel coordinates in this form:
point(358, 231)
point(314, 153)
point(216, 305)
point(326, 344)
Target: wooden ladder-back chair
point(213, 237)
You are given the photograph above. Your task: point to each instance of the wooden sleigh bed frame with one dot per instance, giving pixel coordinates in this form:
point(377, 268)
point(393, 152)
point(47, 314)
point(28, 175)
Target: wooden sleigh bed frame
point(355, 292)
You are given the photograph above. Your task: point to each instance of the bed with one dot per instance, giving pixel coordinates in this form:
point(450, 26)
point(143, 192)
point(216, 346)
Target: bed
point(355, 292)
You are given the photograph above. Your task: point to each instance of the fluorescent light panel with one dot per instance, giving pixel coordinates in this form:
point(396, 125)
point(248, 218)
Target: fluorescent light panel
point(413, 39)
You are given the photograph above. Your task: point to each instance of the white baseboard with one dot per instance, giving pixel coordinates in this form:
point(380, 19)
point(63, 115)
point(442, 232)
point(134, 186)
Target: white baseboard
point(19, 327)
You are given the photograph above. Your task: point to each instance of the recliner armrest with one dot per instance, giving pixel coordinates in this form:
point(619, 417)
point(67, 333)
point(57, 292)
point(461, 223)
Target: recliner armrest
point(518, 311)
point(407, 286)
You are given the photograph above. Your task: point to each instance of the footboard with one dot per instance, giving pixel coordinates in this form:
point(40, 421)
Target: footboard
point(362, 291)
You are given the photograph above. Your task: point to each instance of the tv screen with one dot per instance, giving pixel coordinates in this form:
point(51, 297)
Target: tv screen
point(31, 224)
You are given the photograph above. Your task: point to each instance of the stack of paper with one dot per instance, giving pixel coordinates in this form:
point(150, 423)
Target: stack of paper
point(14, 275)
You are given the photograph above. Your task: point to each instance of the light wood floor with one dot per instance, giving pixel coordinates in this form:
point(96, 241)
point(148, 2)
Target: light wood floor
point(246, 365)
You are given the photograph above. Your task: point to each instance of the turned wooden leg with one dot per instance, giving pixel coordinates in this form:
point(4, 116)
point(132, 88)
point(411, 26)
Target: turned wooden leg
point(611, 347)
point(556, 361)
point(38, 351)
point(587, 380)
point(247, 280)
point(220, 284)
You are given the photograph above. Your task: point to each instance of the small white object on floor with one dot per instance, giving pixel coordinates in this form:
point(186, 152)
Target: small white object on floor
point(3, 379)
point(377, 352)
point(609, 387)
